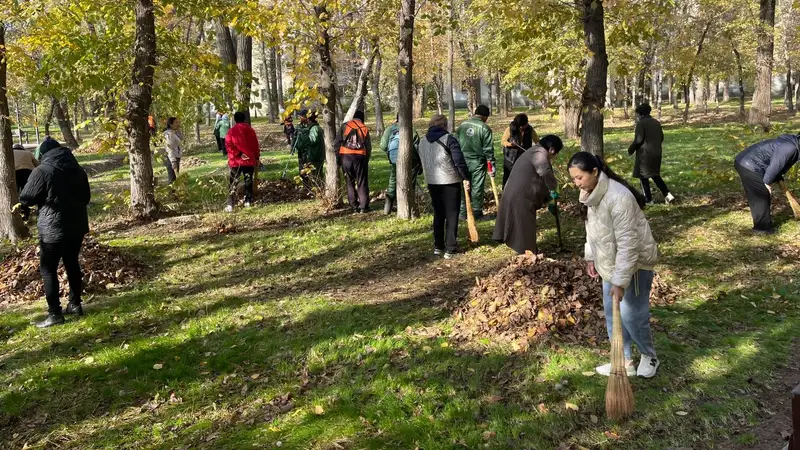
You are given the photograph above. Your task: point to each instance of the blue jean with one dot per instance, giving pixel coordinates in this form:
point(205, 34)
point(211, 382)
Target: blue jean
point(635, 311)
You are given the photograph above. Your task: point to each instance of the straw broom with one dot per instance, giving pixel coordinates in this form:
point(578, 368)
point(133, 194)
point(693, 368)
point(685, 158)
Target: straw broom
point(619, 395)
point(471, 228)
point(792, 201)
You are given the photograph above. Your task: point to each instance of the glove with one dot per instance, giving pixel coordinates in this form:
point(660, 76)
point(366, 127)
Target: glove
point(552, 208)
point(554, 195)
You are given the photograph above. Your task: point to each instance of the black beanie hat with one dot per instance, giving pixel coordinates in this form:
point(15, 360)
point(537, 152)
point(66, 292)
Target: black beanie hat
point(359, 115)
point(483, 111)
point(644, 109)
point(49, 144)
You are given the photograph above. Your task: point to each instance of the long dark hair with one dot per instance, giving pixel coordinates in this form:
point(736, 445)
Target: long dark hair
point(520, 120)
point(170, 122)
point(587, 162)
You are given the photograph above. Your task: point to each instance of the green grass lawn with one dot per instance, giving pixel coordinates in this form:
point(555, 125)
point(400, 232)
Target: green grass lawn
point(304, 330)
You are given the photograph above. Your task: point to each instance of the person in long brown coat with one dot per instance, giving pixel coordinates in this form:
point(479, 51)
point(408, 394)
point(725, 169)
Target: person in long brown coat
point(647, 146)
point(530, 186)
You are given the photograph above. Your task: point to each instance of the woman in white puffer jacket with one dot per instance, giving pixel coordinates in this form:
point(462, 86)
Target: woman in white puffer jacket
point(621, 250)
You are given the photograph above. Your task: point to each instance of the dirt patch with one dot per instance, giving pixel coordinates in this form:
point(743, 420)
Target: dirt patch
point(281, 191)
point(103, 268)
point(775, 402)
point(93, 168)
point(192, 161)
point(536, 298)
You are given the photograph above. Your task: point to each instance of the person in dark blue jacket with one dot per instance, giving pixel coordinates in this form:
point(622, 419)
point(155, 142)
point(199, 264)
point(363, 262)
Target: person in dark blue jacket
point(59, 187)
point(761, 165)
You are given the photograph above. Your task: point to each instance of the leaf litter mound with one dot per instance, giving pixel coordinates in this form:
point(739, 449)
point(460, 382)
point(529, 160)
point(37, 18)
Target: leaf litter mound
point(281, 191)
point(103, 268)
point(538, 298)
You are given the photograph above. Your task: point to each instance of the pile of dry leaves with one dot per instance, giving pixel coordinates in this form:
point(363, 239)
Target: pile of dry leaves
point(281, 191)
point(536, 297)
point(192, 161)
point(103, 268)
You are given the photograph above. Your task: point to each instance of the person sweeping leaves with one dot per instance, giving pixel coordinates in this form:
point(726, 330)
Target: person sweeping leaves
point(621, 250)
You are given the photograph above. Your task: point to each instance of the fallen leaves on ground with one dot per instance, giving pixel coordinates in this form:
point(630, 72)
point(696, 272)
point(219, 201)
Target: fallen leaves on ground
point(192, 161)
point(536, 297)
point(103, 268)
point(282, 190)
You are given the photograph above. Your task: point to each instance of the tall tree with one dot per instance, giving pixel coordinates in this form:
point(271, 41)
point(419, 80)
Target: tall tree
point(327, 91)
point(61, 112)
point(594, 88)
point(140, 97)
point(244, 77)
point(11, 226)
point(761, 107)
point(376, 93)
point(279, 77)
point(451, 50)
point(405, 63)
point(361, 84)
point(273, 84)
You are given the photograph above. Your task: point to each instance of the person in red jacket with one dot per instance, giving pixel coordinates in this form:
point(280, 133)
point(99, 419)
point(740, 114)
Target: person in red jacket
point(243, 155)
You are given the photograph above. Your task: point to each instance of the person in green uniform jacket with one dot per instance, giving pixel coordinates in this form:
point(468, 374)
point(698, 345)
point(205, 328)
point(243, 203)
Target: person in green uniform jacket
point(477, 144)
point(390, 144)
point(310, 146)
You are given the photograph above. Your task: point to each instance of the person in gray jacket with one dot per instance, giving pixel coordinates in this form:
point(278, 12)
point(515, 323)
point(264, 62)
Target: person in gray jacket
point(445, 170)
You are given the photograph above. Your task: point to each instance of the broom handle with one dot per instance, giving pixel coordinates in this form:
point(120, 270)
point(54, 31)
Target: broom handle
point(494, 187)
point(617, 357)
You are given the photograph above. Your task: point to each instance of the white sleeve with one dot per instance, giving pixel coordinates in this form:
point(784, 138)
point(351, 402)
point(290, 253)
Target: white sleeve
point(628, 242)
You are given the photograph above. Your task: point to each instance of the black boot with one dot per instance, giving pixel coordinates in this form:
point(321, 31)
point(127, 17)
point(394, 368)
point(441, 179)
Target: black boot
point(52, 319)
point(387, 208)
point(74, 308)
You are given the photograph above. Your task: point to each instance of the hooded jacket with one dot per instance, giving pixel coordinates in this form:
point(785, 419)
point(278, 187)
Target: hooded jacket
point(618, 237)
point(59, 187)
point(771, 158)
point(241, 141)
point(441, 157)
point(477, 144)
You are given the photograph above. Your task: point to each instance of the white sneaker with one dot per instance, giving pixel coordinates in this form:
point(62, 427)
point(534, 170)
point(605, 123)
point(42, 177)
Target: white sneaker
point(648, 367)
point(605, 369)
point(670, 198)
point(228, 209)
point(247, 204)
point(437, 252)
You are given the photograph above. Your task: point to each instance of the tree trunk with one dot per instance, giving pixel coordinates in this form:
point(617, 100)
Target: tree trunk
point(726, 91)
point(361, 86)
point(489, 85)
point(570, 112)
point(789, 91)
point(501, 97)
point(673, 96)
point(659, 97)
point(376, 93)
point(451, 101)
point(49, 119)
point(244, 80)
point(687, 82)
point(473, 80)
point(227, 53)
point(279, 77)
point(418, 108)
point(327, 90)
point(64, 124)
point(197, 121)
point(267, 93)
point(140, 97)
point(625, 112)
point(405, 61)
point(274, 106)
point(761, 107)
point(36, 123)
point(438, 90)
point(594, 88)
point(740, 74)
point(610, 91)
point(715, 95)
point(11, 225)
point(706, 88)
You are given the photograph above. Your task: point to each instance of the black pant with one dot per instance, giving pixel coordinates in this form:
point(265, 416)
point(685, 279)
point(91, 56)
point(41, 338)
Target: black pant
point(356, 170)
point(446, 199)
point(758, 197)
point(221, 145)
point(247, 174)
point(49, 256)
point(510, 156)
point(173, 169)
point(648, 195)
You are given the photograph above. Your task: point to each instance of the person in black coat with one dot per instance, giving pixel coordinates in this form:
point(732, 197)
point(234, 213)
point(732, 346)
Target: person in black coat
point(646, 144)
point(761, 165)
point(59, 187)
